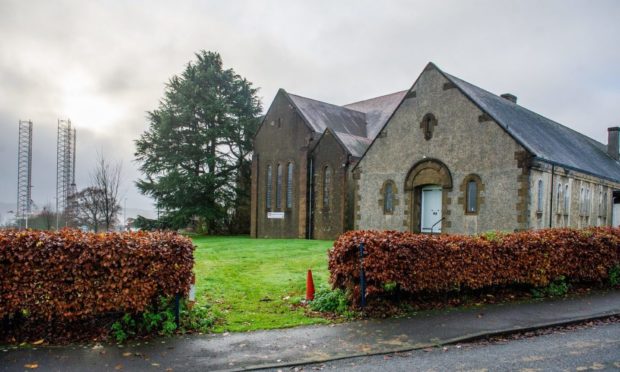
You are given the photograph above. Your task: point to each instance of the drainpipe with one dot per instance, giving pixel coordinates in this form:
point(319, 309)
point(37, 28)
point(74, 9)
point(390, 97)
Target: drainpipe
point(310, 196)
point(551, 202)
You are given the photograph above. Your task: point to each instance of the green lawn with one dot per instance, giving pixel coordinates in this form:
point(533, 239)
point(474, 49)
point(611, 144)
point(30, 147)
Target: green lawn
point(253, 283)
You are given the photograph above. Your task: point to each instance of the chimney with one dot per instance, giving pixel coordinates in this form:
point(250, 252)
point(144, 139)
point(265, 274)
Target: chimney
point(512, 98)
point(613, 142)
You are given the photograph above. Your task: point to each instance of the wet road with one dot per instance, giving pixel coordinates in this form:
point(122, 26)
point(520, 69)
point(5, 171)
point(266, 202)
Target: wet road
point(589, 349)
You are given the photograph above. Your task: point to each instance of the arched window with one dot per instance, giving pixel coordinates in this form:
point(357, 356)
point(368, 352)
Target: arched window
point(539, 205)
point(327, 174)
point(566, 199)
point(388, 198)
point(558, 202)
point(605, 204)
point(472, 196)
point(268, 187)
point(471, 188)
point(588, 202)
point(428, 124)
point(600, 201)
point(279, 187)
point(582, 202)
point(289, 186)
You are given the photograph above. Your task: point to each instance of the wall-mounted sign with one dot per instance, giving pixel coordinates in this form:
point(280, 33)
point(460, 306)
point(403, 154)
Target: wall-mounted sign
point(276, 215)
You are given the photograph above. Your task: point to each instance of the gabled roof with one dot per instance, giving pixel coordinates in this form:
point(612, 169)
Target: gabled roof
point(354, 144)
point(355, 124)
point(546, 139)
point(321, 115)
point(377, 110)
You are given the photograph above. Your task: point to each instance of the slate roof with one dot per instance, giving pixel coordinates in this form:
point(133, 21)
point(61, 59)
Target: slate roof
point(355, 124)
point(354, 144)
point(377, 110)
point(546, 139)
point(321, 115)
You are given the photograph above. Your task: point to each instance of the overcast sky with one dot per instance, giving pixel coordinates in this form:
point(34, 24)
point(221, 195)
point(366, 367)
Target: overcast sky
point(104, 64)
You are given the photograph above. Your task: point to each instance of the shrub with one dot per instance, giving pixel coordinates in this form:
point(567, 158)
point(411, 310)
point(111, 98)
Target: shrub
point(333, 301)
point(442, 263)
point(614, 276)
point(71, 275)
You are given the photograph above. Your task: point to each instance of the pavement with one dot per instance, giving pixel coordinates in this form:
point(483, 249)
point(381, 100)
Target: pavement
point(313, 344)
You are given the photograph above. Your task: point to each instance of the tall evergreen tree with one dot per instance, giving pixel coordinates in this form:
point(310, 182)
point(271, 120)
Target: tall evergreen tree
point(197, 149)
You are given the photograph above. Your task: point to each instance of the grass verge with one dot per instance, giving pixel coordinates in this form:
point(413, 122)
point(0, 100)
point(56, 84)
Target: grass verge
point(256, 284)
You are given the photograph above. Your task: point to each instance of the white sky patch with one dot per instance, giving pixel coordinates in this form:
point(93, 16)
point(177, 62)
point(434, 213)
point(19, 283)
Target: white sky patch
point(104, 64)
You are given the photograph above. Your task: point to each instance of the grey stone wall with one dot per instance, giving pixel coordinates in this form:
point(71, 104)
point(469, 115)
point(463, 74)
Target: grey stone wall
point(595, 210)
point(283, 138)
point(329, 220)
point(465, 141)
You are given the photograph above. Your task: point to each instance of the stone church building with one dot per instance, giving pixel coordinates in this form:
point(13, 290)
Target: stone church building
point(444, 156)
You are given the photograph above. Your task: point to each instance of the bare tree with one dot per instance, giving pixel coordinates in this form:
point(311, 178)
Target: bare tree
point(106, 179)
point(89, 210)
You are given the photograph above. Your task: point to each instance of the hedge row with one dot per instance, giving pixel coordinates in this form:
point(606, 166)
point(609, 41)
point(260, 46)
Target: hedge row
point(71, 275)
point(441, 263)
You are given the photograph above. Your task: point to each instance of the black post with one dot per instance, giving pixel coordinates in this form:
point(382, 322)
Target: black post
point(177, 306)
point(362, 276)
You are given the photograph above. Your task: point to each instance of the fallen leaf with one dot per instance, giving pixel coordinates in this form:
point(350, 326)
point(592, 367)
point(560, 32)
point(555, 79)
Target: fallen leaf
point(118, 366)
point(126, 354)
point(39, 342)
point(31, 365)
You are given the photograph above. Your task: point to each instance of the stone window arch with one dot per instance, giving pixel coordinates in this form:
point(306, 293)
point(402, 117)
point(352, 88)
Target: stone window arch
point(428, 124)
point(471, 188)
point(279, 187)
point(558, 196)
point(388, 200)
point(327, 181)
point(289, 185)
point(566, 200)
point(540, 198)
point(268, 186)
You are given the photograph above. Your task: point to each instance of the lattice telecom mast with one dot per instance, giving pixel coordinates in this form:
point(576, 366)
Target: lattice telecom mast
point(65, 168)
point(24, 173)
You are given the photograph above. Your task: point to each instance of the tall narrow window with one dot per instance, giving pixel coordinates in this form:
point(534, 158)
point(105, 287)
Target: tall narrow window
point(268, 187)
point(566, 200)
point(326, 186)
point(558, 202)
point(279, 187)
point(600, 202)
point(472, 197)
point(588, 201)
point(582, 202)
point(539, 206)
point(388, 198)
point(289, 186)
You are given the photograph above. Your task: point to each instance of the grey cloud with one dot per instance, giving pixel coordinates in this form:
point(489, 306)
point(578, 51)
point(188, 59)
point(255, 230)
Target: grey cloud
point(560, 57)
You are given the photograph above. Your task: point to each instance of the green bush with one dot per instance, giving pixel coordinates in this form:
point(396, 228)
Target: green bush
point(156, 319)
point(198, 318)
point(614, 276)
point(327, 300)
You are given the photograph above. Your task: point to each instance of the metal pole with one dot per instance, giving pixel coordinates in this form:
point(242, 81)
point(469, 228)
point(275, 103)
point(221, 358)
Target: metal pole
point(177, 306)
point(362, 276)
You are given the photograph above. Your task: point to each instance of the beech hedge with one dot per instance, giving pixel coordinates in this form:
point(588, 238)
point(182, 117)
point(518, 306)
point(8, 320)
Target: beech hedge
point(71, 275)
point(416, 263)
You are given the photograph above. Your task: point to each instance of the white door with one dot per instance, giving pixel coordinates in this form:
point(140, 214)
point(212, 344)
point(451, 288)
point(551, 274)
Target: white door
point(616, 215)
point(431, 209)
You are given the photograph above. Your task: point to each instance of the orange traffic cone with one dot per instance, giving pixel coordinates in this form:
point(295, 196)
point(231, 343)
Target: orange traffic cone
point(309, 287)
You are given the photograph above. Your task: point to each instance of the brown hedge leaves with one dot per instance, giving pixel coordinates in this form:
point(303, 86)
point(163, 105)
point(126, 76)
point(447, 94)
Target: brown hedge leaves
point(441, 263)
point(75, 275)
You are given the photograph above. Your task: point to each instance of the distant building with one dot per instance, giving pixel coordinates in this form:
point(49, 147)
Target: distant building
point(443, 156)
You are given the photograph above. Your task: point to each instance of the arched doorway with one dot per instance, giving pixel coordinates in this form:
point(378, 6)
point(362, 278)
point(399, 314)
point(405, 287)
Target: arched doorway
point(427, 186)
